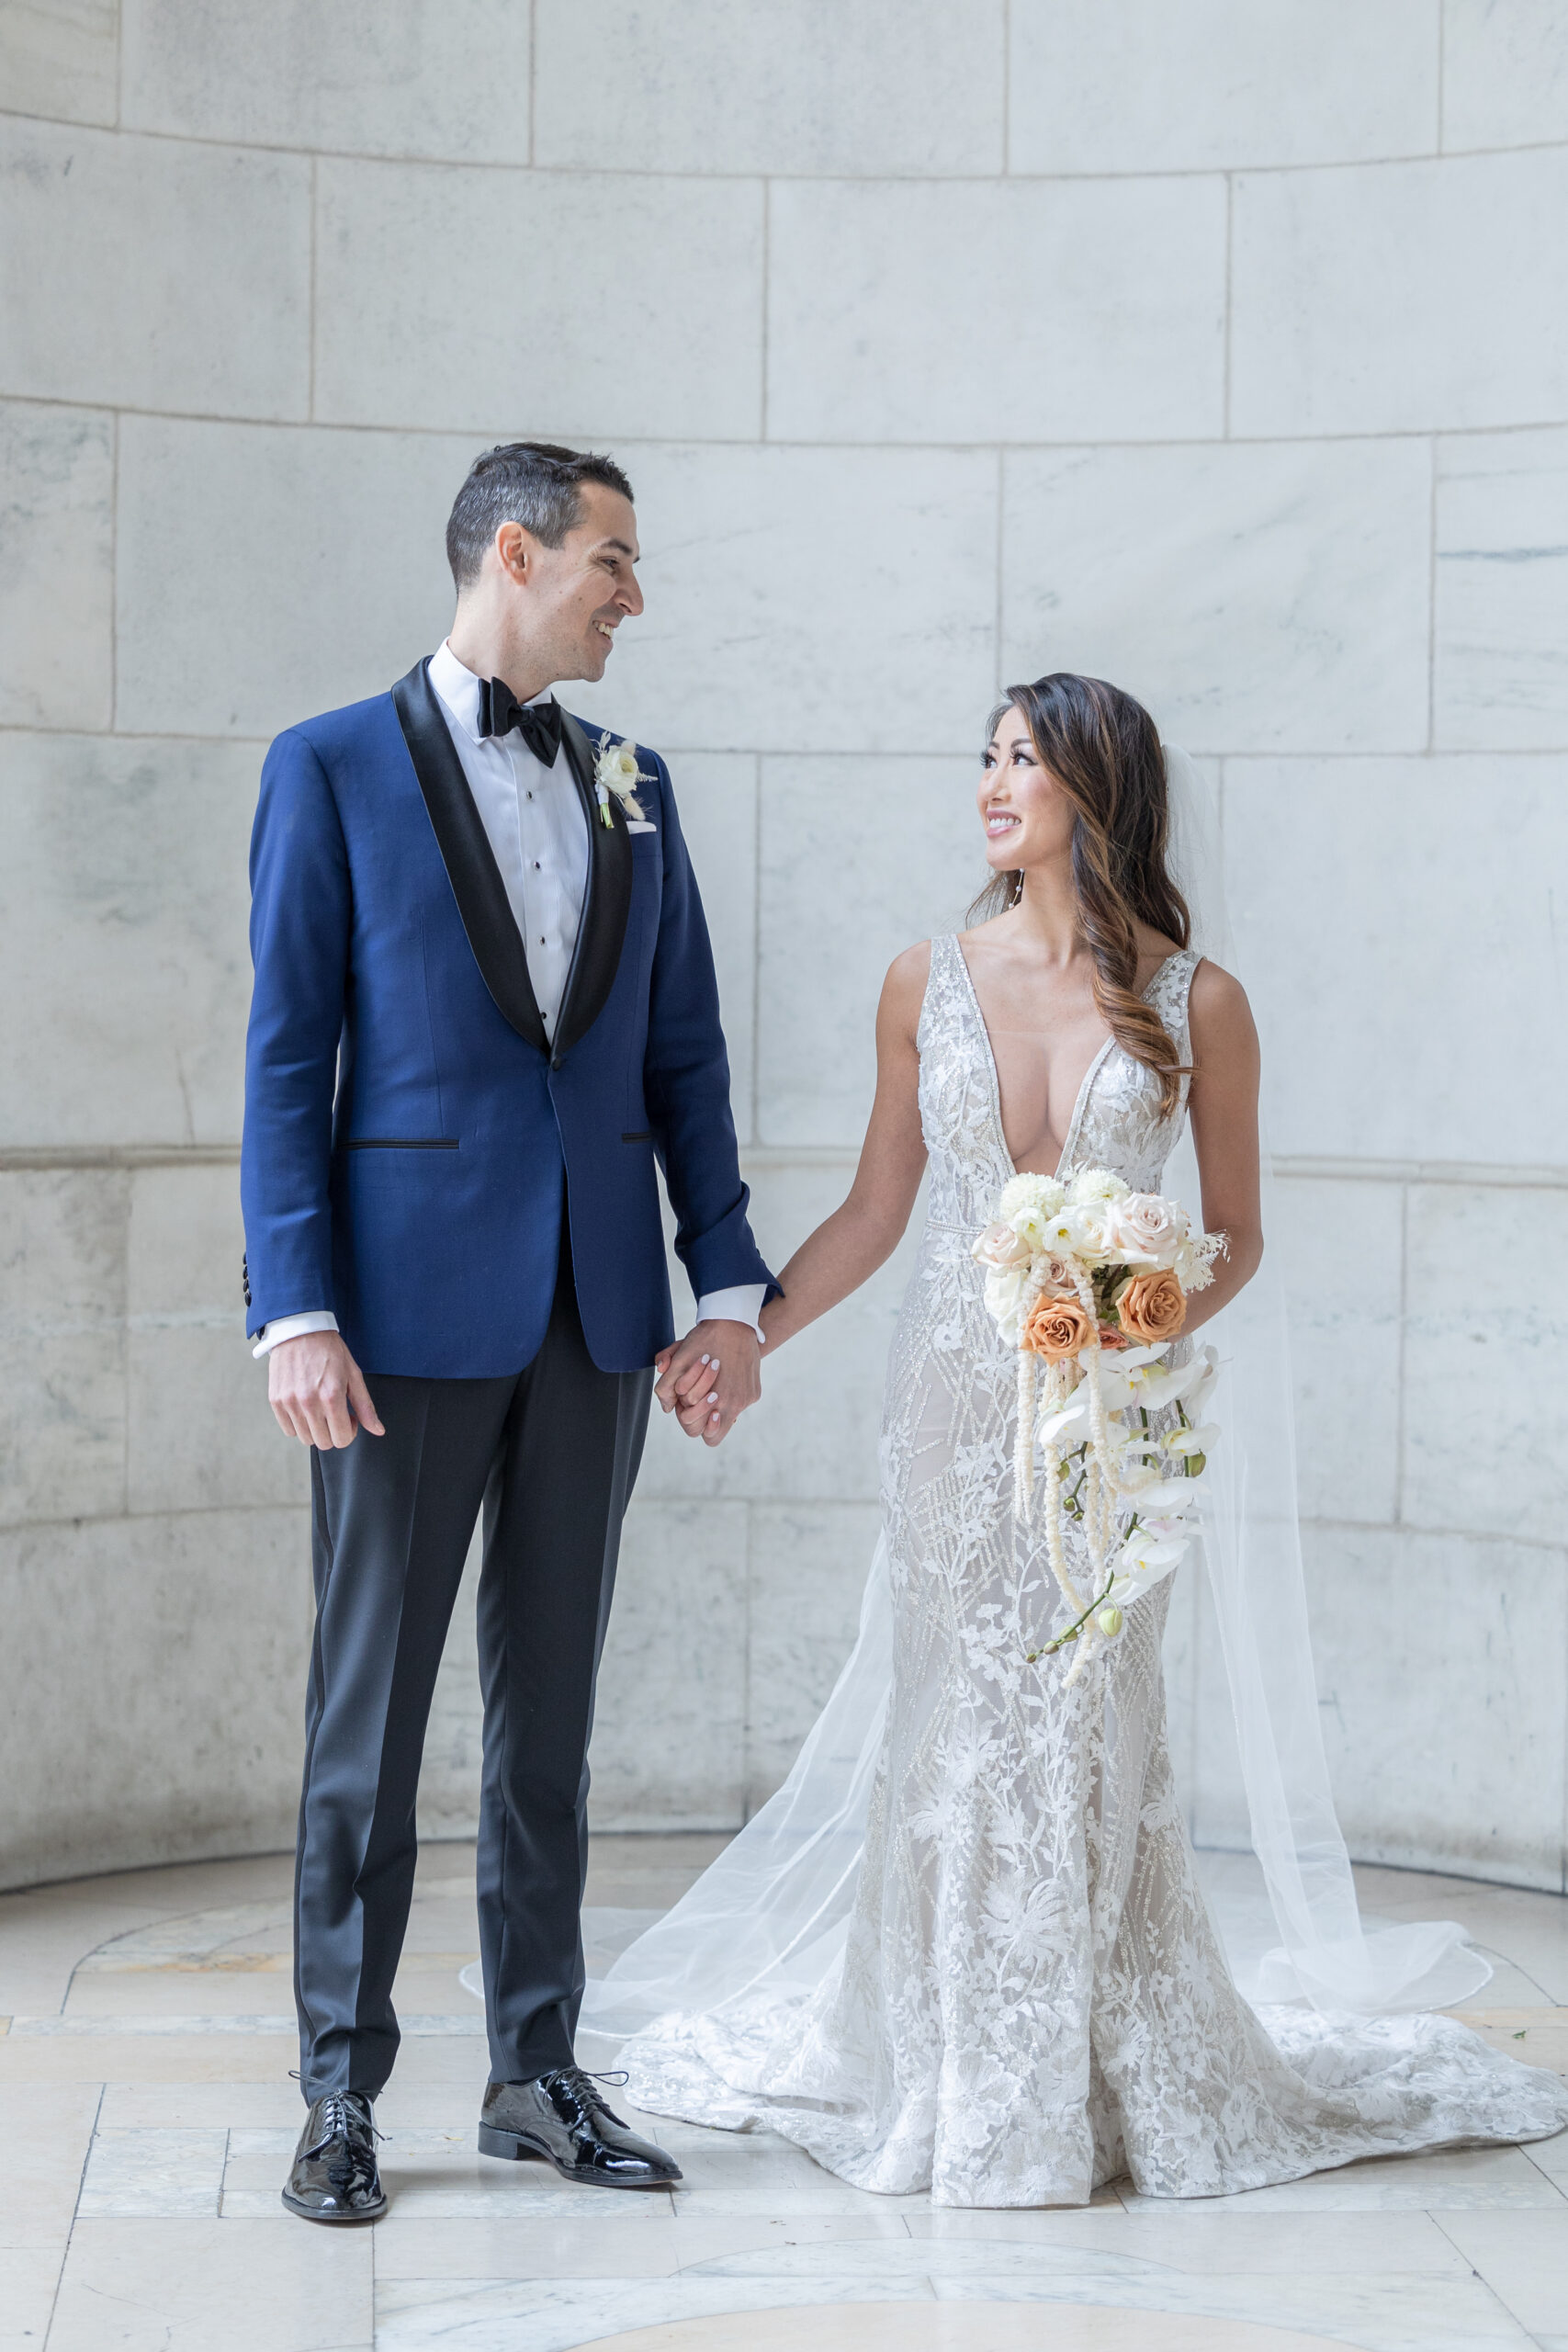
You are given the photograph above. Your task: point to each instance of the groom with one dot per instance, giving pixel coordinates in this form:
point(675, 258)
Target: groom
point(484, 1007)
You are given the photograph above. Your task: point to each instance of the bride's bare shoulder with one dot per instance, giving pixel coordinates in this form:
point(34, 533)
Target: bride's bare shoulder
point(904, 989)
point(908, 973)
point(1217, 1008)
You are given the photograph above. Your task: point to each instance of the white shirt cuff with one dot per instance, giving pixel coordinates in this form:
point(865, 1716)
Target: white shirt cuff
point(741, 1305)
point(292, 1327)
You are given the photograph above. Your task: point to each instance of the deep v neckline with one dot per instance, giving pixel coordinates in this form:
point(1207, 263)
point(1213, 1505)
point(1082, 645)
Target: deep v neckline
point(993, 1076)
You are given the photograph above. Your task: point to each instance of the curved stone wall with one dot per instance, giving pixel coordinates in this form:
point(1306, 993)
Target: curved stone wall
point(1215, 348)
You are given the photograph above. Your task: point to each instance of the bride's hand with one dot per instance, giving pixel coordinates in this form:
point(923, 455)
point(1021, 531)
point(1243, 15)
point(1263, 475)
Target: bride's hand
point(710, 1378)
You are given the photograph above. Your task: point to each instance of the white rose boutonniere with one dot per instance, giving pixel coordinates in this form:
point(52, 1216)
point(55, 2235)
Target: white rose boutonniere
point(616, 770)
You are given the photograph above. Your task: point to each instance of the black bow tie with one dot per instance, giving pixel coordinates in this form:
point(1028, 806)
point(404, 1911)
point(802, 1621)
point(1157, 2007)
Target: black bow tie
point(538, 723)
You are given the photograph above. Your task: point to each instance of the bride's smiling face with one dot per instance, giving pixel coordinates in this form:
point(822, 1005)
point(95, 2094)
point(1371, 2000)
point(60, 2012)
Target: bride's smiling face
point(1028, 818)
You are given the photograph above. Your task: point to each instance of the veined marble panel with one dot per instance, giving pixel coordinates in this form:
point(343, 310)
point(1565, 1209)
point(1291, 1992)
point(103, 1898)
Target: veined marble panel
point(809, 600)
point(344, 586)
point(1122, 85)
point(1394, 921)
point(63, 1349)
point(669, 1726)
point(61, 57)
point(187, 268)
point(367, 77)
point(1486, 1366)
point(860, 859)
point(1504, 74)
point(447, 296)
point(1400, 297)
point(1500, 649)
point(1339, 1251)
point(154, 1679)
point(56, 589)
point(1440, 1683)
point(700, 86)
point(201, 1434)
point(123, 910)
point(1002, 310)
point(1257, 597)
point(809, 1568)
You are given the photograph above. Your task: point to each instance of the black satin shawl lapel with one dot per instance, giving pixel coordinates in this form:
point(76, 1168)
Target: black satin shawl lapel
point(602, 932)
point(466, 851)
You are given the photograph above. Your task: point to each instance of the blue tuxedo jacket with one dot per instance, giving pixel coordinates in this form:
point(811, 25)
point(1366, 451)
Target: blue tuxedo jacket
point(408, 1124)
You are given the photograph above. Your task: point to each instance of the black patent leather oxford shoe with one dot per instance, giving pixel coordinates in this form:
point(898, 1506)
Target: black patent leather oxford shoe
point(333, 2177)
point(562, 2118)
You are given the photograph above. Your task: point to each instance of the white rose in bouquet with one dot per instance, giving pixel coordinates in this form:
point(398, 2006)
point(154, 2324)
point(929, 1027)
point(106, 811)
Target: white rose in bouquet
point(1147, 1230)
point(1002, 1245)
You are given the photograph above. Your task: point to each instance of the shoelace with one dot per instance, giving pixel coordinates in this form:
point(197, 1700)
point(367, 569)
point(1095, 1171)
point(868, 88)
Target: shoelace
point(342, 2115)
point(579, 2081)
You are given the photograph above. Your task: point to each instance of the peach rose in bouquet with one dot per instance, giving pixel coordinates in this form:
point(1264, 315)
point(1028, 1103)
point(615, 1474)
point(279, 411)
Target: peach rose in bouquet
point(1055, 1328)
point(1151, 1307)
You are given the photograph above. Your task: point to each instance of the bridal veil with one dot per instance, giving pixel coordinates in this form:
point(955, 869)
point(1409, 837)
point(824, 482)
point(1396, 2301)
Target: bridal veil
point(771, 1915)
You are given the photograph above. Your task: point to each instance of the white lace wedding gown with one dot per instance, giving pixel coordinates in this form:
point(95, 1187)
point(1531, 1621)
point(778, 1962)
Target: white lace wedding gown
point(1031, 1998)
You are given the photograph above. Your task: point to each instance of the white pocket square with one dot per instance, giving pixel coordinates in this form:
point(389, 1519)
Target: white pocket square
point(641, 825)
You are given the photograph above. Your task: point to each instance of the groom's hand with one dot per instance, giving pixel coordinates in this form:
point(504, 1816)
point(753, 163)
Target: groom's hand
point(318, 1391)
point(710, 1378)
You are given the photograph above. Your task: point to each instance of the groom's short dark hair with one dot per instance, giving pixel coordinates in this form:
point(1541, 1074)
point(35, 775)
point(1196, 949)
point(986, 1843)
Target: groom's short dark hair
point(536, 483)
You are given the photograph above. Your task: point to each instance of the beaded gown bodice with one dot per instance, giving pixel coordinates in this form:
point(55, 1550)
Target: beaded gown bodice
point(1031, 1998)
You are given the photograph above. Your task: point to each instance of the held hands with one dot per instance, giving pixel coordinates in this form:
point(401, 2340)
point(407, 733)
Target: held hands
point(710, 1378)
point(318, 1392)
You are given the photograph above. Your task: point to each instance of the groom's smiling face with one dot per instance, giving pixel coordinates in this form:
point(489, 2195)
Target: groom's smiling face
point(574, 597)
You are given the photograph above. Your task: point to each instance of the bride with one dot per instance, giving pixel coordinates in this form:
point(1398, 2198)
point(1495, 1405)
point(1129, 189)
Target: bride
point(965, 1947)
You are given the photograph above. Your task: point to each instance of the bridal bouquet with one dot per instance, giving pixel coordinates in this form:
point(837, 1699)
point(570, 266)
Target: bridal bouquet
point(1089, 1281)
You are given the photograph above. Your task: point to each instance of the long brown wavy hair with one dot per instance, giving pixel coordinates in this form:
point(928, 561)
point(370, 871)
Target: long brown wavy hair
point(1103, 750)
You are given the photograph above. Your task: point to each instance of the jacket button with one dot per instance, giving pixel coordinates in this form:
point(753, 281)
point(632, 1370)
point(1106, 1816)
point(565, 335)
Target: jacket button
point(555, 1061)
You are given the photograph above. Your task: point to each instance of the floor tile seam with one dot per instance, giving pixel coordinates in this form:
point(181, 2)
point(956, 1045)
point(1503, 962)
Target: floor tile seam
point(1495, 2292)
point(1490, 1951)
point(1527, 2150)
point(71, 2232)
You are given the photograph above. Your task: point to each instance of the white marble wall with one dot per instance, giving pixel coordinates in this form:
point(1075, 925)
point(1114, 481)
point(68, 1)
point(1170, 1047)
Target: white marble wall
point(1216, 349)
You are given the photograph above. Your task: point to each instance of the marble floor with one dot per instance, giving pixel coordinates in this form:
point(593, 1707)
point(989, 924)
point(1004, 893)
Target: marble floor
point(146, 2118)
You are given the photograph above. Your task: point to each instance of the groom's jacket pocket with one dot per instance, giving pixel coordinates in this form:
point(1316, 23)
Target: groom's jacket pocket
point(402, 1143)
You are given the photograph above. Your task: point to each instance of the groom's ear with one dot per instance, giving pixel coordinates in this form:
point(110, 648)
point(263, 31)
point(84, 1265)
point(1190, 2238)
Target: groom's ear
point(515, 551)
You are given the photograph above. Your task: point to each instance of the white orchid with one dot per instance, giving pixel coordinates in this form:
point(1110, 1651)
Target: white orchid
point(1191, 1441)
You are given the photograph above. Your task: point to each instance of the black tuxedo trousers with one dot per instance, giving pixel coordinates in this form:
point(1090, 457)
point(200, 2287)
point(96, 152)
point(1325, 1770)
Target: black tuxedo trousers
point(549, 1454)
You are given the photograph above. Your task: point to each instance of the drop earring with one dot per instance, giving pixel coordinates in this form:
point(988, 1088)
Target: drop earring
point(1018, 889)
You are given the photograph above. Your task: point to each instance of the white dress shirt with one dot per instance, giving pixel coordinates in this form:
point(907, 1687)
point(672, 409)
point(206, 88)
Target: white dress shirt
point(535, 822)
